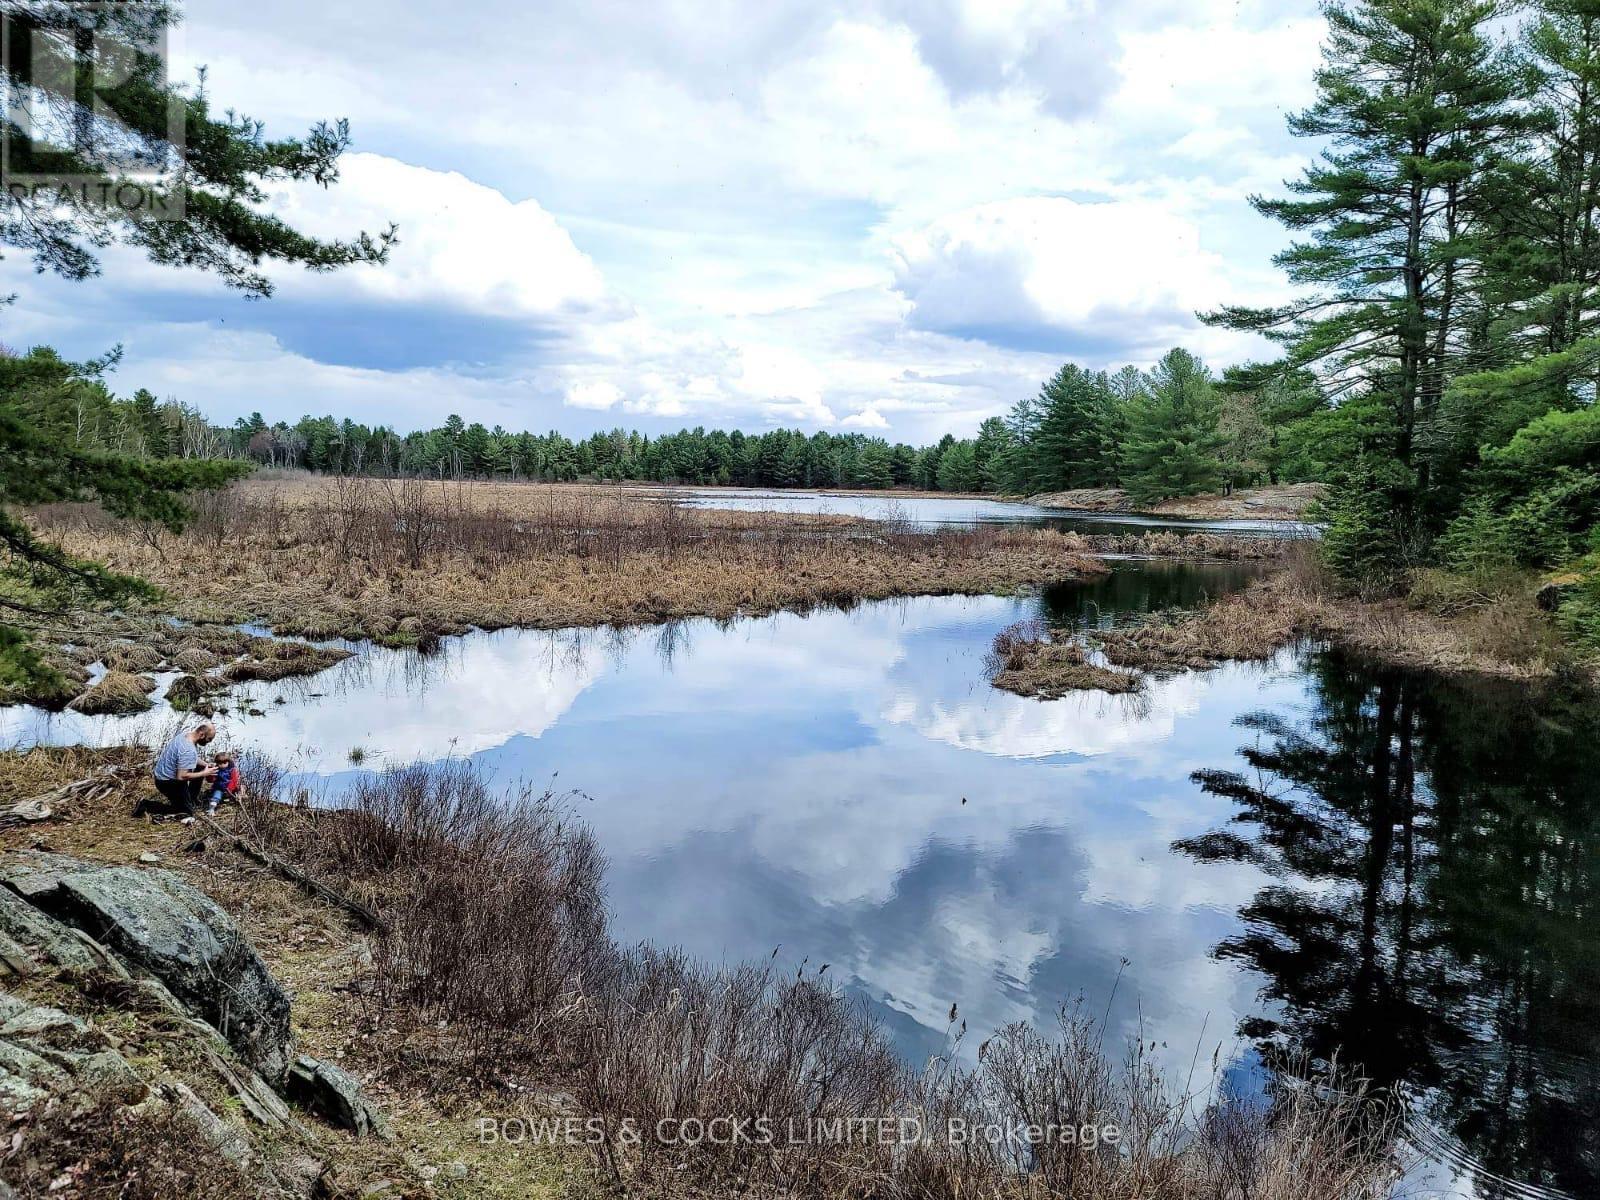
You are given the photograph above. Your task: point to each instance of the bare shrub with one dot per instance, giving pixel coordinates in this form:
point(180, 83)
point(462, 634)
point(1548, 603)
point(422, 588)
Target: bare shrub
point(669, 1041)
point(496, 952)
point(494, 904)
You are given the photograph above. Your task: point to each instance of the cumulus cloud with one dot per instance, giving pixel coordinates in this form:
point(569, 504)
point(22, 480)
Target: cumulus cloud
point(1054, 270)
point(867, 418)
point(594, 393)
point(462, 244)
point(867, 215)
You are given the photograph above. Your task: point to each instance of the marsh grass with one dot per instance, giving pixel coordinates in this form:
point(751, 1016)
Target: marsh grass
point(1030, 659)
point(405, 559)
point(496, 961)
point(116, 692)
point(1446, 624)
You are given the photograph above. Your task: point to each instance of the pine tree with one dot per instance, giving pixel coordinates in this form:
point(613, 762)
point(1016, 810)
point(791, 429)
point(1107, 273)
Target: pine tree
point(958, 470)
point(1411, 98)
point(1075, 443)
point(1172, 442)
point(218, 184)
point(226, 227)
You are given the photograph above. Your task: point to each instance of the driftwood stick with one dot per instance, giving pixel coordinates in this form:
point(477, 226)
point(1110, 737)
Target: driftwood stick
point(295, 875)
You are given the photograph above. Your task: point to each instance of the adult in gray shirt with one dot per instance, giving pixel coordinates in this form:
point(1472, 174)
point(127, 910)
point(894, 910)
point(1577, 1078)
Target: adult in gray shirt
point(179, 773)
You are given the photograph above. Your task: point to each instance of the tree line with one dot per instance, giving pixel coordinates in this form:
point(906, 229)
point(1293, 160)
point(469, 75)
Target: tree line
point(1173, 431)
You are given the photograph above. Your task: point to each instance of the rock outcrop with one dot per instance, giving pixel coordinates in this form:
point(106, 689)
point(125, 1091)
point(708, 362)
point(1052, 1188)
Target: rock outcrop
point(46, 1053)
point(143, 941)
point(158, 923)
point(333, 1093)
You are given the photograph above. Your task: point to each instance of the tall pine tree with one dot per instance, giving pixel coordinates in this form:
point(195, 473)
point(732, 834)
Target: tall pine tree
point(1412, 98)
point(1172, 442)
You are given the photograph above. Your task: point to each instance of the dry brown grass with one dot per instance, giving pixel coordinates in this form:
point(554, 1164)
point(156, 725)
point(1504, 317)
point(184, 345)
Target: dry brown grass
point(1461, 630)
point(116, 692)
point(1027, 660)
point(324, 557)
point(1277, 502)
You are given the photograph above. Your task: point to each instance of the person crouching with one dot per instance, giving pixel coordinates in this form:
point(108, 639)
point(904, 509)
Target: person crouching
point(179, 775)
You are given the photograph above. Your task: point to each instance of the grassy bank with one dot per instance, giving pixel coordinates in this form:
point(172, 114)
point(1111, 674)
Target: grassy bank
point(1281, 502)
point(494, 990)
point(405, 562)
point(1445, 624)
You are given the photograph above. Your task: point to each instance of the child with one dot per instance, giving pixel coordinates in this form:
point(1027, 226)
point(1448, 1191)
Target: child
point(227, 782)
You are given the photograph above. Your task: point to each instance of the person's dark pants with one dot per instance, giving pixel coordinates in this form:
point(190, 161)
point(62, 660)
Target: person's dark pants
point(180, 796)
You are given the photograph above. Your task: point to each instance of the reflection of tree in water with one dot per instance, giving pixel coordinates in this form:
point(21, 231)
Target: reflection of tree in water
point(1435, 858)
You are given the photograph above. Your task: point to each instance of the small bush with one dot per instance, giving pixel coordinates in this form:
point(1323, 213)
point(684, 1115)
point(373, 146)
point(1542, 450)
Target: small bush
point(494, 903)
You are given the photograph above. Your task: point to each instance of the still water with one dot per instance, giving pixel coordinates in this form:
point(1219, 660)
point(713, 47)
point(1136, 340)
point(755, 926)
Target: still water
point(935, 512)
point(1303, 854)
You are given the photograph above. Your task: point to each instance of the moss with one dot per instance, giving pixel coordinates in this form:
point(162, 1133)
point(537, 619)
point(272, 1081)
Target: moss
point(187, 691)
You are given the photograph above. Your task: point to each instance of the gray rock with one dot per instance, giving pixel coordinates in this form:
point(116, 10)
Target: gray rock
point(334, 1093)
point(31, 941)
point(228, 1139)
point(157, 922)
point(46, 1053)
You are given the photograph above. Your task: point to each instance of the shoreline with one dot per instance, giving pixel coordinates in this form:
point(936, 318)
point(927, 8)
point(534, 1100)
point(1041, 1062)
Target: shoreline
point(420, 1086)
point(1514, 642)
point(329, 559)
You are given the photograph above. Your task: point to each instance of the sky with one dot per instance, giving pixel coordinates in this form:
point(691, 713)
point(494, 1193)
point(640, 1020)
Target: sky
point(894, 216)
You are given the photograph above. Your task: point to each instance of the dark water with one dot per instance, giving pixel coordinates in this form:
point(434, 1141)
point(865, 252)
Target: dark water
point(1305, 855)
point(935, 512)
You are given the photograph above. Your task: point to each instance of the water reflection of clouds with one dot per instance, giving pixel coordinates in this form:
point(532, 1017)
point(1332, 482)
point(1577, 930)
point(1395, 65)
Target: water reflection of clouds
point(801, 780)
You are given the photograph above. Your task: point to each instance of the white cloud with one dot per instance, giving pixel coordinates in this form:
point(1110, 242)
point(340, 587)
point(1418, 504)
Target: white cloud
point(1089, 269)
point(867, 418)
point(593, 393)
point(461, 244)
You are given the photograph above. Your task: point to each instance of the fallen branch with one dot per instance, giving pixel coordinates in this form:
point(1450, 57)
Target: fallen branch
point(102, 783)
point(312, 886)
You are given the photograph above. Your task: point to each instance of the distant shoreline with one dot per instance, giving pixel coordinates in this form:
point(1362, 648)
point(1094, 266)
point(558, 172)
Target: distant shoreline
point(1277, 502)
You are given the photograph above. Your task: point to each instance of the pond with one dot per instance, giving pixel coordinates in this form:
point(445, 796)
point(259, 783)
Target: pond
point(1305, 854)
point(935, 512)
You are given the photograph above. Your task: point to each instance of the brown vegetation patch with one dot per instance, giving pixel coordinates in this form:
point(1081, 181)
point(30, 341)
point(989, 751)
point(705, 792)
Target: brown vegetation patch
point(131, 657)
point(1447, 624)
point(116, 692)
point(271, 661)
point(393, 559)
point(195, 660)
point(1276, 502)
point(1025, 659)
